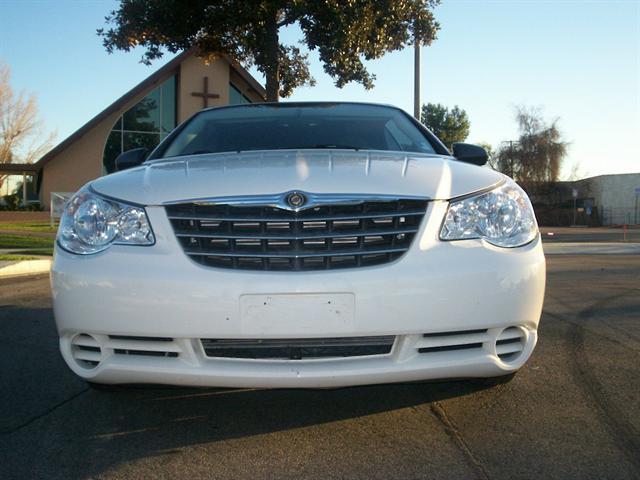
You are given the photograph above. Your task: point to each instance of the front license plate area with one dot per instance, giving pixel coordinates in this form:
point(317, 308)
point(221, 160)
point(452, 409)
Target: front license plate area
point(291, 315)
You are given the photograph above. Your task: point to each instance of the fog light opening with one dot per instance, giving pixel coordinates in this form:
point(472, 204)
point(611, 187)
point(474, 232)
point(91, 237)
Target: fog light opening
point(86, 351)
point(510, 344)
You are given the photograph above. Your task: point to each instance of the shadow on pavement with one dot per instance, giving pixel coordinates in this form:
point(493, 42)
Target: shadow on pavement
point(73, 431)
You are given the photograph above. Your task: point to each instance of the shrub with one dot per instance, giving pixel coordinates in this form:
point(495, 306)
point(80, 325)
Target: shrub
point(13, 203)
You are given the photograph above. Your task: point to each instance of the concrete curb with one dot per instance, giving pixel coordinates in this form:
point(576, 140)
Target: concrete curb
point(611, 248)
point(25, 267)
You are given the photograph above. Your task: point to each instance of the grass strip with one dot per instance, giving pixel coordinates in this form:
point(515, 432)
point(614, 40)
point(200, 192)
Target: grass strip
point(28, 226)
point(41, 251)
point(9, 257)
point(19, 241)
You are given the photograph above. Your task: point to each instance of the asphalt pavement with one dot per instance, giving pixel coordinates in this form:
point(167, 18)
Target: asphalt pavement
point(591, 235)
point(572, 412)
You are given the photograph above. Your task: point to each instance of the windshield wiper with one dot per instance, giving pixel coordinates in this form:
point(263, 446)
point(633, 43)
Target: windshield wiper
point(336, 146)
point(196, 152)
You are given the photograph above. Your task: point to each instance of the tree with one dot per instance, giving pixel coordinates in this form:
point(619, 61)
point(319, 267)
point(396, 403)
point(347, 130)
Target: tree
point(449, 126)
point(21, 133)
point(576, 172)
point(492, 161)
point(536, 157)
point(343, 32)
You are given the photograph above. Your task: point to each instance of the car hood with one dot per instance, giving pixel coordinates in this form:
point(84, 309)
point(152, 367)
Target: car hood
point(315, 171)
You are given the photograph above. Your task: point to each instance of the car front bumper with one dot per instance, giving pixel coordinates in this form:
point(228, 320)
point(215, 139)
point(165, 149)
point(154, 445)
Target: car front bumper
point(439, 295)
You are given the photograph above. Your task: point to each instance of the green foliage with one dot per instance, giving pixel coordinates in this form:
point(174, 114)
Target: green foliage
point(46, 252)
point(25, 241)
point(343, 32)
point(449, 126)
point(491, 155)
point(536, 157)
point(28, 226)
point(13, 202)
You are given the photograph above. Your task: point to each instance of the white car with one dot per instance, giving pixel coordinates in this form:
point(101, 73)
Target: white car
point(298, 245)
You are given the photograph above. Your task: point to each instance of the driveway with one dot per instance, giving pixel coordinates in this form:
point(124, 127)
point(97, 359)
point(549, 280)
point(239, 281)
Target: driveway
point(572, 412)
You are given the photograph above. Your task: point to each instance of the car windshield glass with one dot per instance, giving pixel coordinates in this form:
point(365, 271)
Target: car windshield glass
point(275, 127)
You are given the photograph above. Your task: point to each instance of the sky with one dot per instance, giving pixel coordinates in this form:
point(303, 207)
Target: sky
point(578, 61)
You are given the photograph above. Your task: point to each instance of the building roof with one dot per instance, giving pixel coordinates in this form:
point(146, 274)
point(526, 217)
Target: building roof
point(630, 174)
point(151, 80)
point(18, 168)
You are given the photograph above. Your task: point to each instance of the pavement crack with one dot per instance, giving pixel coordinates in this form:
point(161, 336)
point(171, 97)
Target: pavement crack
point(615, 420)
point(454, 433)
point(563, 318)
point(43, 414)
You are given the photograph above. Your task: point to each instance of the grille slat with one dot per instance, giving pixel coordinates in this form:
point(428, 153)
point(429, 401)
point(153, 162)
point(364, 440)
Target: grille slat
point(452, 341)
point(297, 348)
point(294, 253)
point(297, 236)
point(143, 346)
point(324, 236)
point(286, 218)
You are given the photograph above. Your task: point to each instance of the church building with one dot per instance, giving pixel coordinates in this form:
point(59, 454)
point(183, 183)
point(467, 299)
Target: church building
point(142, 117)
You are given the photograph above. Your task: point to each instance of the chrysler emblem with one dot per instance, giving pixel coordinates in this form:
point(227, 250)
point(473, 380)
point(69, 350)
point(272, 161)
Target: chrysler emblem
point(296, 199)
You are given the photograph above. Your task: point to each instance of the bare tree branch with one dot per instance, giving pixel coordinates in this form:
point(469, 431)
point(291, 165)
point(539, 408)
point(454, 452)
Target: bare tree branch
point(21, 132)
point(536, 157)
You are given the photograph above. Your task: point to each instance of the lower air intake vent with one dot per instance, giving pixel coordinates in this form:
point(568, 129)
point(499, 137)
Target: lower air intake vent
point(143, 346)
point(297, 349)
point(452, 341)
point(86, 351)
point(510, 344)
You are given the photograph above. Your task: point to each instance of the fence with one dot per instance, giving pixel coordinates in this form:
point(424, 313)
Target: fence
point(593, 217)
point(620, 216)
point(564, 216)
point(58, 201)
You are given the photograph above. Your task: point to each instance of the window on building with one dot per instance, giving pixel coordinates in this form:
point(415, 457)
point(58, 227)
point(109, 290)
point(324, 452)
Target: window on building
point(236, 97)
point(12, 185)
point(143, 125)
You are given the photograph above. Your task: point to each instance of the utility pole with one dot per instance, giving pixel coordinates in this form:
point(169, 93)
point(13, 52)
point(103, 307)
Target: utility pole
point(416, 80)
point(511, 167)
point(24, 189)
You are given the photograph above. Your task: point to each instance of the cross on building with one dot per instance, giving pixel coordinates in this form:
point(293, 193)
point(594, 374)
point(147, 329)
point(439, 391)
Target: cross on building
point(205, 93)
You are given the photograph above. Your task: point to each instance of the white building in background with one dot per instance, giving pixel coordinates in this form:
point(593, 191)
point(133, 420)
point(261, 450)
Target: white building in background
point(616, 197)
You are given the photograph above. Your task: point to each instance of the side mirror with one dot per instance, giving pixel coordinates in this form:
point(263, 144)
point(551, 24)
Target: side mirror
point(131, 158)
point(465, 152)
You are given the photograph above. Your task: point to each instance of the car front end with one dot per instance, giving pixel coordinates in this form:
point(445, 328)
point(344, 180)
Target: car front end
point(314, 267)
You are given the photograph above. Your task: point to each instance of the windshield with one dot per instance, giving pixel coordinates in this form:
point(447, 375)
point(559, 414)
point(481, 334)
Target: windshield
point(295, 126)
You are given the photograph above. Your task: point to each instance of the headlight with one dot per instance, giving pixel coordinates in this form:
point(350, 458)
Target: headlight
point(502, 216)
point(91, 223)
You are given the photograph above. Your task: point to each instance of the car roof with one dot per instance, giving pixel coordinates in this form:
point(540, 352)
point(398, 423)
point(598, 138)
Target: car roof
point(301, 104)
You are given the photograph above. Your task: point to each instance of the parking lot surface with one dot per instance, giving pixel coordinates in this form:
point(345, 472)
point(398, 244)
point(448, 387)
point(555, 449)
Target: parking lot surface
point(572, 412)
point(594, 235)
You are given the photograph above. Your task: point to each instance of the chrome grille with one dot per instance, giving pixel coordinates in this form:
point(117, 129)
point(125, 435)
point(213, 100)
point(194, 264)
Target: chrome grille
point(272, 237)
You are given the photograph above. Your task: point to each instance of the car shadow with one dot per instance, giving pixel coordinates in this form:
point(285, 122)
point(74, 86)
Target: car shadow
point(77, 432)
point(142, 423)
